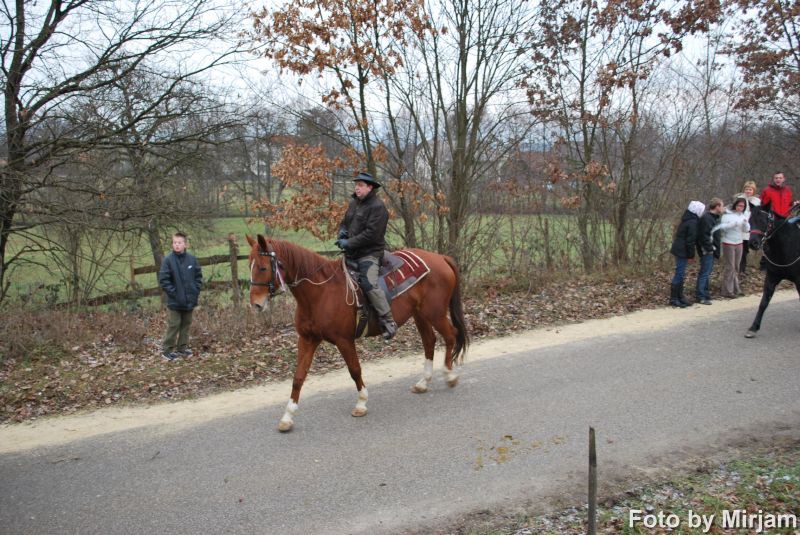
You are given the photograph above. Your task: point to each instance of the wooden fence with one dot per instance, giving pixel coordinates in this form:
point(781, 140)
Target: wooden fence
point(135, 291)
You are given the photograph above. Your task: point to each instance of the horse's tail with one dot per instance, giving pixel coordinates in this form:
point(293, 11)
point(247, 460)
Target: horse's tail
point(457, 316)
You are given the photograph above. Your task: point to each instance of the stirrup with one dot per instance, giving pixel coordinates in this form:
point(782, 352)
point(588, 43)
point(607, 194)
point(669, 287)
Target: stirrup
point(389, 328)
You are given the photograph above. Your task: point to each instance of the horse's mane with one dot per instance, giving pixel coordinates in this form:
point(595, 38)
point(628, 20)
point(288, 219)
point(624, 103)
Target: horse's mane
point(304, 262)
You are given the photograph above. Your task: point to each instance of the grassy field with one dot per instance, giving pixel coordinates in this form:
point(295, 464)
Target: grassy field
point(506, 246)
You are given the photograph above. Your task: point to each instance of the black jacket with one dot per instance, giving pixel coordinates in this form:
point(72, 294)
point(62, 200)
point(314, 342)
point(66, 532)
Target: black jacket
point(365, 223)
point(686, 237)
point(181, 278)
point(706, 243)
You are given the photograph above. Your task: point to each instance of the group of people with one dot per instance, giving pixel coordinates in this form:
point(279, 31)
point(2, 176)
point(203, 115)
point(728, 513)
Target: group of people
point(718, 231)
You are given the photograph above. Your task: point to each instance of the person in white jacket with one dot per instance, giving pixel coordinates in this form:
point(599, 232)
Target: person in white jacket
point(735, 229)
point(750, 194)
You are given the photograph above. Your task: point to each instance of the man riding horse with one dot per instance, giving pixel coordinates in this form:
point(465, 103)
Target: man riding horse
point(362, 238)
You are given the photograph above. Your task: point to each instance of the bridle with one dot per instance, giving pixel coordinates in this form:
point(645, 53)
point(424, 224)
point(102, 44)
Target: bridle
point(768, 233)
point(277, 271)
point(276, 267)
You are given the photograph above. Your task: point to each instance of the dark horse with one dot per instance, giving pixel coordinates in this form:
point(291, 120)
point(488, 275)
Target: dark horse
point(780, 241)
point(326, 310)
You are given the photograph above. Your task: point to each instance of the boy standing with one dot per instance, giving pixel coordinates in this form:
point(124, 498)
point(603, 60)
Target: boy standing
point(181, 278)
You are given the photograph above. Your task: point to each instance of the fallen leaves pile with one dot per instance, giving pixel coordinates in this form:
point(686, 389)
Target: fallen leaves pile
point(52, 364)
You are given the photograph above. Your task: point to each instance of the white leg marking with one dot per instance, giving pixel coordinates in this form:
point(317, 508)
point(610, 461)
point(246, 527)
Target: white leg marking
point(422, 385)
point(451, 377)
point(361, 404)
point(287, 422)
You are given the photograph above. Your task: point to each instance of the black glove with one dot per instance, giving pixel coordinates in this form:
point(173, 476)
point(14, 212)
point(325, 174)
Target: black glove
point(342, 243)
point(342, 234)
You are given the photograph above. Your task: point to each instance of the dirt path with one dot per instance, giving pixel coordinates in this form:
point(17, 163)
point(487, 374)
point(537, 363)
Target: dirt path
point(171, 416)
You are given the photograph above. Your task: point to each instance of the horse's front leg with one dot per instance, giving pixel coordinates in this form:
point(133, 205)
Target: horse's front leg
point(306, 346)
point(347, 348)
point(766, 296)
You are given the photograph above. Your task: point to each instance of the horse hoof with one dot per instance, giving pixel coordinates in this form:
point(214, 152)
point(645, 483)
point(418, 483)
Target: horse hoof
point(417, 389)
point(750, 334)
point(452, 382)
point(284, 427)
point(358, 412)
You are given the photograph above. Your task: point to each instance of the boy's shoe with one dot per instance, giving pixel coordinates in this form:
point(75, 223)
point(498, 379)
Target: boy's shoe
point(185, 352)
point(169, 355)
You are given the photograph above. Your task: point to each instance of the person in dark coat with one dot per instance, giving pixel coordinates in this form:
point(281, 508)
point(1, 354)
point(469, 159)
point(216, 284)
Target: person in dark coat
point(180, 277)
point(708, 248)
point(362, 237)
point(683, 248)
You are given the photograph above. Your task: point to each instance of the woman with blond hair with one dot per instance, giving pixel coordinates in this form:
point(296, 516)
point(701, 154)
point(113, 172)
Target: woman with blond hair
point(749, 194)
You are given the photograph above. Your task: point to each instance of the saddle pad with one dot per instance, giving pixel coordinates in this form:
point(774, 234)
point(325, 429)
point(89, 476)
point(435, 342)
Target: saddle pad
point(412, 270)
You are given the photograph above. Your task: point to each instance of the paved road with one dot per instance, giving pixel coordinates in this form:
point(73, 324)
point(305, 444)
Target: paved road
point(514, 429)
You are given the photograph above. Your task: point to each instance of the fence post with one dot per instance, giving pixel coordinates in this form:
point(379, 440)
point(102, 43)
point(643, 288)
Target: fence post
point(234, 252)
point(592, 527)
point(133, 284)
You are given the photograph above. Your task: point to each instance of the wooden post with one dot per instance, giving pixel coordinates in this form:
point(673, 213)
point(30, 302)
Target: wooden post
point(234, 253)
point(592, 529)
point(133, 274)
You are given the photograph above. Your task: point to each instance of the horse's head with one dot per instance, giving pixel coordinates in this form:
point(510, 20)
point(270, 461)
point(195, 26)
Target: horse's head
point(263, 272)
point(760, 224)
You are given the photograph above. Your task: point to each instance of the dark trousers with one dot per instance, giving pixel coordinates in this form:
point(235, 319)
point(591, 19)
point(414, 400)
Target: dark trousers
point(706, 265)
point(178, 323)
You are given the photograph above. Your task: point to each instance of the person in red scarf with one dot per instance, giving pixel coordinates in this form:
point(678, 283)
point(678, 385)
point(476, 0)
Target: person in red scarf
point(778, 197)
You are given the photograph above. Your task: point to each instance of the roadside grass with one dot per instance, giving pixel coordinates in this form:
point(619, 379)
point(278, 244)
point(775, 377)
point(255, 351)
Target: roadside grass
point(764, 484)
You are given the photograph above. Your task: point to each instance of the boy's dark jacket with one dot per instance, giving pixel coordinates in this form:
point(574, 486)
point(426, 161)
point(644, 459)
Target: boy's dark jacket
point(181, 278)
point(705, 242)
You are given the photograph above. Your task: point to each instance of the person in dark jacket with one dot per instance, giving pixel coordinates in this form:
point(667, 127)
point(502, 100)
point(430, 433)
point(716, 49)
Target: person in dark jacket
point(180, 277)
point(708, 248)
point(683, 247)
point(362, 237)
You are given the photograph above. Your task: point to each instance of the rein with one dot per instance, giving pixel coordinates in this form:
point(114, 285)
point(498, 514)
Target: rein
point(277, 268)
point(770, 232)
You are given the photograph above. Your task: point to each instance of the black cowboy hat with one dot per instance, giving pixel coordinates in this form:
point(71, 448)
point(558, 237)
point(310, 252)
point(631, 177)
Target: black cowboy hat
point(366, 177)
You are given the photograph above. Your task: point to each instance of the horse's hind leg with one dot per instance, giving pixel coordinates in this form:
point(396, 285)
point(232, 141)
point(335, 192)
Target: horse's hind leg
point(448, 332)
point(347, 348)
point(428, 343)
point(305, 353)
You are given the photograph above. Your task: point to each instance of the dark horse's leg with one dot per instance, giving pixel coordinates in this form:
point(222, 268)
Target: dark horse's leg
point(347, 347)
point(770, 284)
point(306, 346)
point(428, 343)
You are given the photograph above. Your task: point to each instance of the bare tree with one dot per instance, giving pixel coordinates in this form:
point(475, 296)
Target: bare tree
point(56, 52)
point(587, 76)
point(766, 47)
point(339, 38)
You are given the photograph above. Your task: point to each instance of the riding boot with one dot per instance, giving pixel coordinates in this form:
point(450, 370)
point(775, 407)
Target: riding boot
point(378, 300)
point(674, 294)
point(681, 298)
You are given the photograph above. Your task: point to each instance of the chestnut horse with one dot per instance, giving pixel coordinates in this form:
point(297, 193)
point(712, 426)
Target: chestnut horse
point(326, 310)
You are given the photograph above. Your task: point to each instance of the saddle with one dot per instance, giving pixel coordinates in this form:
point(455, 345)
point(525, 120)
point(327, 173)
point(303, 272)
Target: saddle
point(398, 272)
